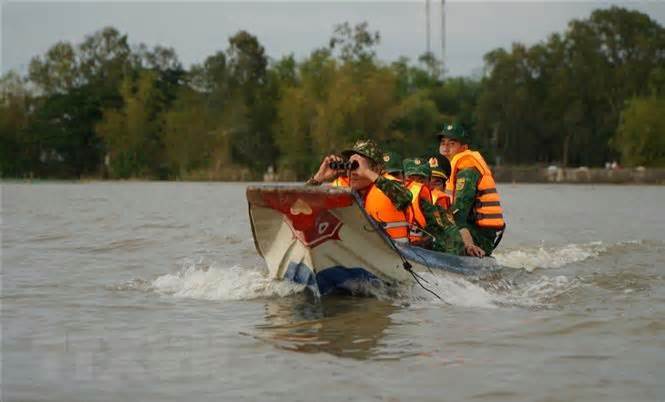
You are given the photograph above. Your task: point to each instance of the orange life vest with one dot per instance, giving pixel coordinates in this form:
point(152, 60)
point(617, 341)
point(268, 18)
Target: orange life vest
point(415, 215)
point(382, 210)
point(440, 198)
point(487, 209)
point(341, 181)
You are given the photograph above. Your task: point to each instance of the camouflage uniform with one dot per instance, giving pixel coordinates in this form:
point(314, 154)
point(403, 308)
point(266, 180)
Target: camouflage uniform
point(465, 196)
point(440, 225)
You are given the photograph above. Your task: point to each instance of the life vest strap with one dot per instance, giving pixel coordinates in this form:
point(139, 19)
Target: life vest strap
point(488, 216)
point(390, 225)
point(487, 191)
point(481, 204)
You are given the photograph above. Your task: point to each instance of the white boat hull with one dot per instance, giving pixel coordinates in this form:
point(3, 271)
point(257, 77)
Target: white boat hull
point(321, 237)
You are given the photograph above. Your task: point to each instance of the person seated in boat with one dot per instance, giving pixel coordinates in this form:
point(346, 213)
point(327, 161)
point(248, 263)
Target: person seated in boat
point(475, 201)
point(387, 200)
point(417, 173)
point(440, 169)
point(392, 166)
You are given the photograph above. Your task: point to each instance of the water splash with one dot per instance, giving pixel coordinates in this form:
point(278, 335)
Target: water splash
point(551, 257)
point(209, 281)
point(199, 280)
point(454, 290)
point(542, 292)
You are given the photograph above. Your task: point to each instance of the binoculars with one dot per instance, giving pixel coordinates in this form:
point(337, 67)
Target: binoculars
point(336, 165)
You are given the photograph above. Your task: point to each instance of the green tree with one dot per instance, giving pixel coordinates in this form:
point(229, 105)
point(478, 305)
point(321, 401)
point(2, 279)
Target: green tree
point(14, 107)
point(58, 71)
point(250, 116)
point(560, 98)
point(127, 131)
point(641, 135)
point(355, 44)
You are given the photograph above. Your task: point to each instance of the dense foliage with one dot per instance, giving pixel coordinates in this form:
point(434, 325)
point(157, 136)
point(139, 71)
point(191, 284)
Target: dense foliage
point(104, 108)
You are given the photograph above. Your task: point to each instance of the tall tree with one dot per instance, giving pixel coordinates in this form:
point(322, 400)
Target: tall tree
point(15, 148)
point(641, 135)
point(128, 131)
point(252, 113)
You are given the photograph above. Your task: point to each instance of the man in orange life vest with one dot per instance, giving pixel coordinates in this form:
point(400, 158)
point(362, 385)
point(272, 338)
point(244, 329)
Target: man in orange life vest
point(416, 173)
point(476, 204)
point(386, 200)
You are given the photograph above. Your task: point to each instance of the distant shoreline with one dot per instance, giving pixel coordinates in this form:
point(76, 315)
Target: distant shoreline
point(580, 175)
point(503, 174)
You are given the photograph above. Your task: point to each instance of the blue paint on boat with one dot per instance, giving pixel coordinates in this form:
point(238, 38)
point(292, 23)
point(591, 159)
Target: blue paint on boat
point(330, 280)
point(301, 273)
point(342, 279)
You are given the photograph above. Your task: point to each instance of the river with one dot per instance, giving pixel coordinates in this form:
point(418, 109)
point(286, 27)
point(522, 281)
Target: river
point(138, 291)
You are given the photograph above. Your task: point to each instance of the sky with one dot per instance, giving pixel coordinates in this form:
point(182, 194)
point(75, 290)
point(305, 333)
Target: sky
point(196, 30)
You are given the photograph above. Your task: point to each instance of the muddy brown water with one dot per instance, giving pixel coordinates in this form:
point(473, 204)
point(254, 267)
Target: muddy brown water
point(154, 292)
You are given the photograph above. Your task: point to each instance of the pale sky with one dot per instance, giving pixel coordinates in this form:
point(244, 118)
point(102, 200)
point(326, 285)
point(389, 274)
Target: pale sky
point(198, 29)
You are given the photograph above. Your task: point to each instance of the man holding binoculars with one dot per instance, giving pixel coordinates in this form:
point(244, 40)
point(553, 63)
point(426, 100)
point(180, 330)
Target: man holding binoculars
point(384, 198)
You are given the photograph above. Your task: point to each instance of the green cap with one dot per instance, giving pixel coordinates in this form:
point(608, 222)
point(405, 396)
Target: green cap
point(366, 148)
point(454, 131)
point(392, 162)
point(416, 167)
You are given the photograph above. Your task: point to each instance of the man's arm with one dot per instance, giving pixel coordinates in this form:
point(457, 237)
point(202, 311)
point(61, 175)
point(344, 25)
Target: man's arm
point(398, 194)
point(465, 196)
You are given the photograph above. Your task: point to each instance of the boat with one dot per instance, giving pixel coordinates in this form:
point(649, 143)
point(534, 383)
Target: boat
point(321, 237)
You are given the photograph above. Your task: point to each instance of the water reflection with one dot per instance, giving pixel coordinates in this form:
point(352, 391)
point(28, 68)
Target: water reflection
point(342, 326)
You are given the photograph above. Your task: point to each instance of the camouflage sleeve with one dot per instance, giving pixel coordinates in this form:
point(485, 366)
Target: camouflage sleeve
point(435, 215)
point(465, 196)
point(445, 234)
point(398, 194)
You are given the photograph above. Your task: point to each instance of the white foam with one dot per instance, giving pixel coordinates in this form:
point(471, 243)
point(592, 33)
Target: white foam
point(453, 290)
point(552, 257)
point(538, 293)
point(199, 280)
point(211, 282)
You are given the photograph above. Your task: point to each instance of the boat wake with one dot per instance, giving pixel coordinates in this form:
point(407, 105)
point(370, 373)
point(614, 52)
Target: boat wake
point(209, 281)
point(205, 280)
point(549, 257)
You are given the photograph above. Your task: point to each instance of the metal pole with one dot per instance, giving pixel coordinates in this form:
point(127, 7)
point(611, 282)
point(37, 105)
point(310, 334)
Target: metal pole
point(429, 41)
point(443, 37)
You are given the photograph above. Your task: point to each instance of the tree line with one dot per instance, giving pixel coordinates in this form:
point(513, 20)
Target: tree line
point(105, 108)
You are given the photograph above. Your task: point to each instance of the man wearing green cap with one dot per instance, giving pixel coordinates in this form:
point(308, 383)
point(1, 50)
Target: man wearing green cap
point(416, 172)
point(476, 204)
point(372, 184)
point(417, 169)
point(369, 157)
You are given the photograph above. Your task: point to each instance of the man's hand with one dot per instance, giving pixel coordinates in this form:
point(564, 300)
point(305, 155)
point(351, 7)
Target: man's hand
point(474, 251)
point(325, 173)
point(469, 246)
